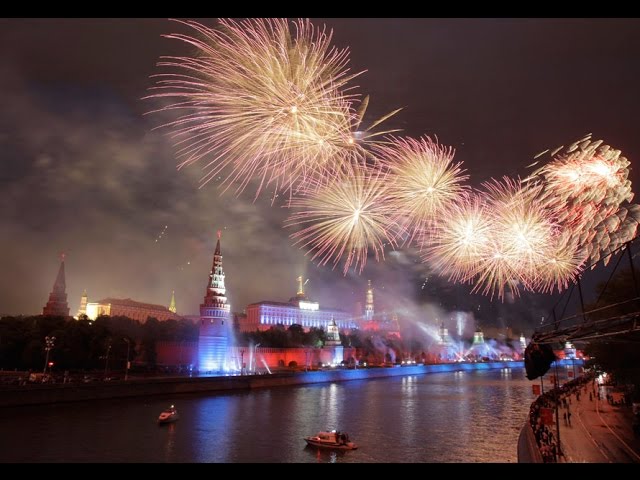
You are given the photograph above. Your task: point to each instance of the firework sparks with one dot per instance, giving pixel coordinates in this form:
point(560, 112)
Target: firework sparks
point(589, 180)
point(161, 234)
point(563, 263)
point(369, 136)
point(424, 180)
point(260, 102)
point(521, 234)
point(346, 216)
point(458, 244)
point(495, 239)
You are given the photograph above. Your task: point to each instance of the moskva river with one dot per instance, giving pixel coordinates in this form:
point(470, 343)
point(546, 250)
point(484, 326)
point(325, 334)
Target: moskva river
point(472, 416)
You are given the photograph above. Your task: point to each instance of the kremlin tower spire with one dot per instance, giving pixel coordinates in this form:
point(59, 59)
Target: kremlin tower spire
point(215, 293)
point(368, 309)
point(300, 295)
point(57, 304)
point(214, 319)
point(172, 305)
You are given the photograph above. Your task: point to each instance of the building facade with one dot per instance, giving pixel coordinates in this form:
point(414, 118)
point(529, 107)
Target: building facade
point(126, 307)
point(298, 310)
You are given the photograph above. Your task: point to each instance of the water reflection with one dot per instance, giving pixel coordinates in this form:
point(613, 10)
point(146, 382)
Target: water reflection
point(323, 455)
point(329, 405)
point(169, 442)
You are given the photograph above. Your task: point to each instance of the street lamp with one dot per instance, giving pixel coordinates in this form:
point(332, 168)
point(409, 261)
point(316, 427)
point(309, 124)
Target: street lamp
point(126, 371)
point(242, 361)
point(106, 362)
point(49, 342)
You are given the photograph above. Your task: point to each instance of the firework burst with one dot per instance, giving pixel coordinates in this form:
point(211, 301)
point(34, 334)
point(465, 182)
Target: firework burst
point(423, 181)
point(259, 101)
point(563, 263)
point(457, 245)
point(588, 182)
point(496, 238)
point(347, 215)
point(588, 172)
point(523, 233)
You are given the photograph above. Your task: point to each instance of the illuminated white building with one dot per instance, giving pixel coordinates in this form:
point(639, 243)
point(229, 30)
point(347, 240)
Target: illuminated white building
point(126, 307)
point(298, 310)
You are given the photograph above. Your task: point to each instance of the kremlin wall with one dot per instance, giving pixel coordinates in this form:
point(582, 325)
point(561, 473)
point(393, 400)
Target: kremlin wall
point(216, 352)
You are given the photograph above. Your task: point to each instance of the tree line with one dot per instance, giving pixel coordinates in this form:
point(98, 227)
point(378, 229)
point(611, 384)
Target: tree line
point(84, 344)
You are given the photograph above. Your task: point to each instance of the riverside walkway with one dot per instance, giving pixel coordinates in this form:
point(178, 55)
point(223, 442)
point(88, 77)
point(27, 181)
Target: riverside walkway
point(598, 432)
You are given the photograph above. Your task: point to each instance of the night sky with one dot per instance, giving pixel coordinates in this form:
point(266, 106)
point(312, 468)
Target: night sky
point(84, 172)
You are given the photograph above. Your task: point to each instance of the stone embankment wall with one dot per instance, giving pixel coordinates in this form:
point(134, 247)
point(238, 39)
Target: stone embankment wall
point(46, 394)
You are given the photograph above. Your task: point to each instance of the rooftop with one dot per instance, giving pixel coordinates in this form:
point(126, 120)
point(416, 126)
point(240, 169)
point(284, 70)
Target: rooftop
point(127, 302)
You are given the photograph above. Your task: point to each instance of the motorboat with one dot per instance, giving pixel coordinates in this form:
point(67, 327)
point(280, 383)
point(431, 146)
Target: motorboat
point(333, 439)
point(169, 415)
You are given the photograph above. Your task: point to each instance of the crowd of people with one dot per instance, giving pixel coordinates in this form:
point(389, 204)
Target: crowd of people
point(559, 396)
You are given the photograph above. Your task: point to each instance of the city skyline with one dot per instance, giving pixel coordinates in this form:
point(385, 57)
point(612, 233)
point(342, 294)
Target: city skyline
point(92, 178)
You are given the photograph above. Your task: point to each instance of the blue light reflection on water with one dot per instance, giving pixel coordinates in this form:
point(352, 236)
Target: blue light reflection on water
point(466, 416)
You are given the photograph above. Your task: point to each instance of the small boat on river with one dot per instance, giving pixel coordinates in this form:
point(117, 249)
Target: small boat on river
point(333, 439)
point(168, 416)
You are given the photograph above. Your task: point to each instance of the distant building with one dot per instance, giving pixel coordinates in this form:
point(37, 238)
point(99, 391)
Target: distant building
point(523, 342)
point(83, 305)
point(333, 341)
point(238, 319)
point(126, 307)
point(443, 336)
point(368, 308)
point(298, 310)
point(381, 321)
point(569, 350)
point(57, 304)
point(478, 337)
point(479, 348)
point(333, 334)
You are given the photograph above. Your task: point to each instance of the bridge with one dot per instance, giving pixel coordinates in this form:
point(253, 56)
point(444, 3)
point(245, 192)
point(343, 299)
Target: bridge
point(614, 321)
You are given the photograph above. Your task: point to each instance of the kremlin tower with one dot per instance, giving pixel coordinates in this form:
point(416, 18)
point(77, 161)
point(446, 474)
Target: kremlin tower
point(333, 334)
point(478, 337)
point(523, 342)
point(333, 341)
point(300, 295)
point(172, 306)
point(57, 304)
point(215, 321)
point(443, 336)
point(368, 309)
point(83, 305)
point(478, 346)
